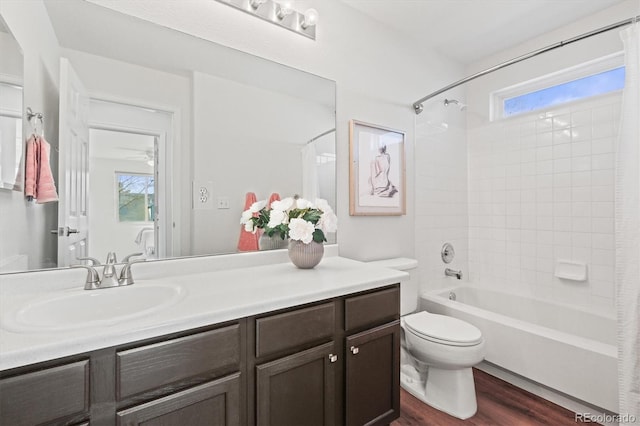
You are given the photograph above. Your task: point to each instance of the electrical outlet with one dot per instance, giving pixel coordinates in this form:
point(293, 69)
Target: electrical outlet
point(223, 202)
point(202, 197)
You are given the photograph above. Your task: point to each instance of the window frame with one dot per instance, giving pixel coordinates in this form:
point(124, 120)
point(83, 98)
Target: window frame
point(497, 98)
point(117, 175)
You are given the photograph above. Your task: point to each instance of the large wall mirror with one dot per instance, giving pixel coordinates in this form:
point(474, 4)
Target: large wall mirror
point(11, 141)
point(164, 138)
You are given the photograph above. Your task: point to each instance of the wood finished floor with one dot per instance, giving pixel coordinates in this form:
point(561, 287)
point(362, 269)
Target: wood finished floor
point(499, 404)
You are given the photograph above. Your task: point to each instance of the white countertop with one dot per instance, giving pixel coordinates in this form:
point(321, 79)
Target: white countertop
point(209, 298)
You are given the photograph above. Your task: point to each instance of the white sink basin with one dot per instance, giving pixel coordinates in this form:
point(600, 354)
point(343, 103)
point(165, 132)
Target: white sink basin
point(76, 309)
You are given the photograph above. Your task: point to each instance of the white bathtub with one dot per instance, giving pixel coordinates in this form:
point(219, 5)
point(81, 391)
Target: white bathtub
point(566, 349)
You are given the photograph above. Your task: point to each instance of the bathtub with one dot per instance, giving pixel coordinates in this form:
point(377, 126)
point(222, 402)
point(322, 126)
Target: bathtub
point(566, 349)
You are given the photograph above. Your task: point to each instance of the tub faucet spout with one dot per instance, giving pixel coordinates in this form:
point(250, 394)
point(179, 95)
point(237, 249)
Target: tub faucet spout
point(453, 273)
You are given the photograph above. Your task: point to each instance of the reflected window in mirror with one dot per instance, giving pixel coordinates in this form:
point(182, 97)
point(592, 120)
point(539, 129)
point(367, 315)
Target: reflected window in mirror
point(136, 199)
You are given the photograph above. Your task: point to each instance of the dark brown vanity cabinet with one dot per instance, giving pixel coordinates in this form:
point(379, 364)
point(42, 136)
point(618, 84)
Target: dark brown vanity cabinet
point(334, 362)
point(48, 395)
point(372, 359)
point(298, 389)
point(372, 394)
point(214, 357)
point(190, 378)
point(296, 364)
point(212, 403)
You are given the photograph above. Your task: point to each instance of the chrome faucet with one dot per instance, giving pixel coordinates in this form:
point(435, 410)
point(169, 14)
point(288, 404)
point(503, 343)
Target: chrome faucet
point(453, 273)
point(109, 276)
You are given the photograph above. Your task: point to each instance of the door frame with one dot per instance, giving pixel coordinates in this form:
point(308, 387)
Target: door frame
point(168, 237)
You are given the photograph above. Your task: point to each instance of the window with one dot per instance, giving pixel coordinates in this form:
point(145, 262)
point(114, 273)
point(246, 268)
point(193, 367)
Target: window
point(136, 198)
point(586, 87)
point(587, 80)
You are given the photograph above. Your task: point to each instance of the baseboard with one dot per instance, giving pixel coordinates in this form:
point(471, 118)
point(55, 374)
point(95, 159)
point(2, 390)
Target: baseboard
point(558, 398)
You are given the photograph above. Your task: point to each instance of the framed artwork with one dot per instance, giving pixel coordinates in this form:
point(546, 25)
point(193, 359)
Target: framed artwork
point(377, 170)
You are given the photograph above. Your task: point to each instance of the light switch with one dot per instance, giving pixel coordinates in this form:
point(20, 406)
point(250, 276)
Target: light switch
point(223, 202)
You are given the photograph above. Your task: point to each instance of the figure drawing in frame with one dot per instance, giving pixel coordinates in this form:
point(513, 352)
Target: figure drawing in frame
point(377, 170)
point(381, 186)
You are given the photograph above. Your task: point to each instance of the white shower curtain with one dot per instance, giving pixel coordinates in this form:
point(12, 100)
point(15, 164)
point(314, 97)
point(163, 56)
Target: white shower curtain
point(627, 276)
point(310, 184)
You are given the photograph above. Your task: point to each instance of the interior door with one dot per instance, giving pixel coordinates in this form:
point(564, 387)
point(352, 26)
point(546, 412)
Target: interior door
point(74, 167)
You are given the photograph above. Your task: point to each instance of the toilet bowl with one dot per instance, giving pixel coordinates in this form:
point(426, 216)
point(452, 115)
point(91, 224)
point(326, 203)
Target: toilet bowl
point(437, 351)
point(442, 351)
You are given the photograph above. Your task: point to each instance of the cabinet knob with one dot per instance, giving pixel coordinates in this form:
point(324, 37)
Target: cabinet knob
point(354, 350)
point(333, 358)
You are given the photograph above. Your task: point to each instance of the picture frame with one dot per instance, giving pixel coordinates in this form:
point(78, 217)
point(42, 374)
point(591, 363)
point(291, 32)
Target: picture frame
point(377, 173)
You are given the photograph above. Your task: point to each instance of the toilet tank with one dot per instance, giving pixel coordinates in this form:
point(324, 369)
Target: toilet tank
point(408, 288)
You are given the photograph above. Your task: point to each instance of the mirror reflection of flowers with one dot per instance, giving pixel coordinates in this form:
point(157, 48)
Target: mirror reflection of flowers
point(294, 218)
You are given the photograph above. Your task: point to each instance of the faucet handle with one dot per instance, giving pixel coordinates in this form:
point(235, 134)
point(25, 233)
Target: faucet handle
point(93, 260)
point(126, 278)
point(93, 278)
point(129, 256)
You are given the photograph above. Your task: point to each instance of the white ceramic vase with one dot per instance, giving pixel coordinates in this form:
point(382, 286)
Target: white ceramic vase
point(305, 256)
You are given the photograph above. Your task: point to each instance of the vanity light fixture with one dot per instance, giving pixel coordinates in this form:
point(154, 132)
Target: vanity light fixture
point(281, 13)
point(255, 4)
point(310, 18)
point(284, 8)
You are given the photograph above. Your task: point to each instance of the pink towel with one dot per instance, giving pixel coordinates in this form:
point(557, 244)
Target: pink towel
point(274, 197)
point(248, 241)
point(31, 169)
point(39, 183)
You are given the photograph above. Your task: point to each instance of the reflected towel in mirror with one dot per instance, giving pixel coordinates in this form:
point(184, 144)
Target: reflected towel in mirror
point(248, 241)
point(39, 183)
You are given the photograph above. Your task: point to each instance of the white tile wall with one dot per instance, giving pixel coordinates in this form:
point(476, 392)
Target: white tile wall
point(541, 188)
point(441, 211)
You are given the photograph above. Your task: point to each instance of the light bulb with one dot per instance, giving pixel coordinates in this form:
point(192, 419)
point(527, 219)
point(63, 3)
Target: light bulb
point(284, 8)
point(310, 18)
point(256, 3)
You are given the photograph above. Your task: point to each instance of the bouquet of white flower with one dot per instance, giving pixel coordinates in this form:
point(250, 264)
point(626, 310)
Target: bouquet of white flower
point(294, 218)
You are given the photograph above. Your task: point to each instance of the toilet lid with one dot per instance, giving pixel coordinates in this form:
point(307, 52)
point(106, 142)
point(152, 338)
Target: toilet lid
point(442, 328)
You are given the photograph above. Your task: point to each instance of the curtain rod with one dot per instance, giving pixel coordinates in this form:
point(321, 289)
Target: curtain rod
point(320, 135)
point(418, 107)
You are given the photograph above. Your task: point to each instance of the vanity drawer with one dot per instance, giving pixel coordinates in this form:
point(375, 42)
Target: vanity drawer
point(153, 366)
point(290, 330)
point(57, 394)
point(372, 309)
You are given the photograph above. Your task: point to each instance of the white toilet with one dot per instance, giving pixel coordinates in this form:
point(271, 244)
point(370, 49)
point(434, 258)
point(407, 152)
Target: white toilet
point(437, 351)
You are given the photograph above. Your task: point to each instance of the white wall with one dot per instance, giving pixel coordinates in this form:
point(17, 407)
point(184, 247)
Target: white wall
point(12, 60)
point(25, 227)
point(232, 151)
point(441, 191)
point(541, 185)
point(378, 73)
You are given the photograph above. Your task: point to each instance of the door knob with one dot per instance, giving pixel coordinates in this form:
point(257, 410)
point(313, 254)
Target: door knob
point(354, 350)
point(64, 231)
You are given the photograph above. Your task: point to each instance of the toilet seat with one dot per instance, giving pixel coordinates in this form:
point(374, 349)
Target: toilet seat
point(443, 329)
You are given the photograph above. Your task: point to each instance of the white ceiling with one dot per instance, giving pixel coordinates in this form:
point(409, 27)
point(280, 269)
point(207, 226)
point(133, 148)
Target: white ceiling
point(469, 30)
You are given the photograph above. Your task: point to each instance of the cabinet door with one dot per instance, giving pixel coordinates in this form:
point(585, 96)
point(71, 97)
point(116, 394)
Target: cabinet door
point(373, 376)
point(47, 396)
point(298, 390)
point(214, 403)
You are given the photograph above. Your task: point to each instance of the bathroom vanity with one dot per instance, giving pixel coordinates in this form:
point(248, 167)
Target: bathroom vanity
point(265, 345)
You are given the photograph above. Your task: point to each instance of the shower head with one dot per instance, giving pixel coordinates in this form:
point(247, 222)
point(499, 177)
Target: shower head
point(456, 102)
